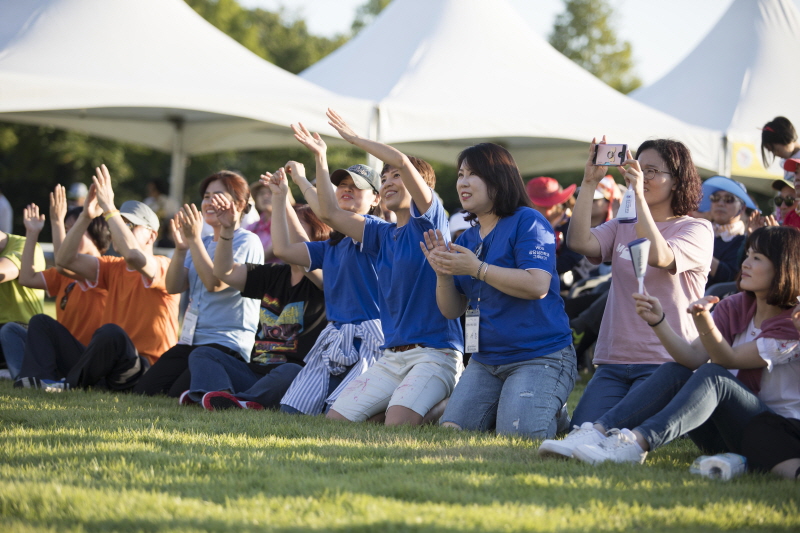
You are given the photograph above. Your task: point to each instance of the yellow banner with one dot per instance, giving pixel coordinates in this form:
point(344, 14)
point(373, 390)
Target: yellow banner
point(746, 161)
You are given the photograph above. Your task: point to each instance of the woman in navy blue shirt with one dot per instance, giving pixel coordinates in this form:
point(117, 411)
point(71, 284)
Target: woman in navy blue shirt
point(502, 272)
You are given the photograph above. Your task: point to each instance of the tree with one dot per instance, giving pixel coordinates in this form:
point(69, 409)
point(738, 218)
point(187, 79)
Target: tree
point(583, 34)
point(366, 13)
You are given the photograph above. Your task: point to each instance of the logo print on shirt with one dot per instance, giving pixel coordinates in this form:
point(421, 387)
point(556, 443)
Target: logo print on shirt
point(623, 252)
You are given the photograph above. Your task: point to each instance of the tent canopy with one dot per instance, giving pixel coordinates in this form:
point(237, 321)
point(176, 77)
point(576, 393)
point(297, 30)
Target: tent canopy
point(448, 73)
point(738, 78)
point(151, 72)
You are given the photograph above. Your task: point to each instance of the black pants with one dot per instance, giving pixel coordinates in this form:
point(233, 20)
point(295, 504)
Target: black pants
point(170, 374)
point(770, 439)
point(109, 361)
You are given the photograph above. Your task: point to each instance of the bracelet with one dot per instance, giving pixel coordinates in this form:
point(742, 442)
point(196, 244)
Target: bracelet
point(478, 273)
point(309, 187)
point(226, 238)
point(485, 271)
point(111, 214)
point(663, 316)
point(707, 332)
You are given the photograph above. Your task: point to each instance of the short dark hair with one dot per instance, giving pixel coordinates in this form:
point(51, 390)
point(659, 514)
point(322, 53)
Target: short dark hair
point(779, 130)
point(234, 183)
point(423, 167)
point(689, 187)
point(98, 229)
point(781, 245)
point(498, 170)
point(319, 230)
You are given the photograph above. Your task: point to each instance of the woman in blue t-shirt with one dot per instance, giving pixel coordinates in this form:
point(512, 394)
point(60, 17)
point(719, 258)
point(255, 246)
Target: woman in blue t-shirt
point(502, 272)
point(217, 315)
point(351, 342)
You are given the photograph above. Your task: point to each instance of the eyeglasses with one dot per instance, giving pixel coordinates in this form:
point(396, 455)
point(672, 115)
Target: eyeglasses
point(719, 198)
point(68, 290)
point(650, 173)
point(788, 200)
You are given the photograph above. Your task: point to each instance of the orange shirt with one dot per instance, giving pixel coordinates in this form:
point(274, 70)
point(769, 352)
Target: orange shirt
point(80, 311)
point(147, 313)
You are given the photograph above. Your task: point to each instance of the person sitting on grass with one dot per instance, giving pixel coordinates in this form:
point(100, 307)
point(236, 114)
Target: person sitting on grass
point(141, 317)
point(79, 311)
point(751, 331)
point(351, 342)
point(292, 316)
point(502, 272)
point(422, 357)
point(667, 187)
point(217, 314)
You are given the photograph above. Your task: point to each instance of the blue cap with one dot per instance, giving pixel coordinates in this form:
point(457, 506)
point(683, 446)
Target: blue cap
point(721, 183)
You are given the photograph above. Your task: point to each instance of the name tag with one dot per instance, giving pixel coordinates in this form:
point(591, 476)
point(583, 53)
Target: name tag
point(471, 327)
point(189, 324)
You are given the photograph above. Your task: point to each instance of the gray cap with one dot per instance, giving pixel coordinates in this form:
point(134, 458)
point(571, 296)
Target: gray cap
point(139, 214)
point(77, 190)
point(363, 176)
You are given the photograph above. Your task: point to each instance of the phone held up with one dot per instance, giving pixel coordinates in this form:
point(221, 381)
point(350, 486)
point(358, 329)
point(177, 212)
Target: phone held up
point(610, 155)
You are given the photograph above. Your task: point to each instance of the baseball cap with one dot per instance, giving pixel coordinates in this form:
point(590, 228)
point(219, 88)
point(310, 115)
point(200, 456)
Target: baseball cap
point(139, 214)
point(606, 189)
point(457, 223)
point(547, 192)
point(364, 177)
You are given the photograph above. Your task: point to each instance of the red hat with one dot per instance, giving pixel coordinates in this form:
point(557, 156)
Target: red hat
point(546, 192)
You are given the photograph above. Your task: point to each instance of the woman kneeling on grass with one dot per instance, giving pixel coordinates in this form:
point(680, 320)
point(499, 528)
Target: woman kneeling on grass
point(751, 330)
point(502, 271)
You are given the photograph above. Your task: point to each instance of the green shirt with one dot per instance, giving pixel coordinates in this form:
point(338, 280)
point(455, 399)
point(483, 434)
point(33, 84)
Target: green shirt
point(18, 303)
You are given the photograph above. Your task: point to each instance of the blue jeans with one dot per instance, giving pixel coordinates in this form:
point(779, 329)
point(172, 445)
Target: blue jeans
point(609, 385)
point(521, 398)
point(214, 370)
point(13, 337)
point(713, 407)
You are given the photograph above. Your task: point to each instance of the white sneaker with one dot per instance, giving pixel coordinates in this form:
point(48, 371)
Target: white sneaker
point(586, 434)
point(619, 447)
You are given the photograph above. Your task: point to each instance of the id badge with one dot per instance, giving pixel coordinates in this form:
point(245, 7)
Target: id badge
point(471, 327)
point(189, 323)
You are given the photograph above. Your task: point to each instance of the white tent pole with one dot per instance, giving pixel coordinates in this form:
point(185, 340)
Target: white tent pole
point(375, 135)
point(727, 163)
point(177, 175)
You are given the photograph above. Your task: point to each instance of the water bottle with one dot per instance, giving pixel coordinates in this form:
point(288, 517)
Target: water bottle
point(722, 466)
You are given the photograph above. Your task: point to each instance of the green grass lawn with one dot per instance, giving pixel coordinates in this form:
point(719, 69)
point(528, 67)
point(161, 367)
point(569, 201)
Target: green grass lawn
point(93, 461)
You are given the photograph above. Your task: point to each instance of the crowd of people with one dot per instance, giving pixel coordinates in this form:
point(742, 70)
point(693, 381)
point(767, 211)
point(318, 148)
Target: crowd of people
point(368, 302)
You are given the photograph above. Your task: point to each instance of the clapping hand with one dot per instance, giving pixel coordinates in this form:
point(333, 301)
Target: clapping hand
point(33, 221)
point(224, 209)
point(276, 182)
point(58, 204)
point(191, 222)
point(177, 236)
point(103, 189)
point(312, 141)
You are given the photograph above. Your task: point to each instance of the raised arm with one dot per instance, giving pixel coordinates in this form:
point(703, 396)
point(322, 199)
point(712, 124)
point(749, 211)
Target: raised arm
point(420, 192)
point(452, 303)
point(690, 355)
point(67, 257)
point(289, 250)
point(34, 222)
point(230, 272)
point(125, 242)
point(177, 278)
point(579, 237)
point(661, 255)
point(329, 212)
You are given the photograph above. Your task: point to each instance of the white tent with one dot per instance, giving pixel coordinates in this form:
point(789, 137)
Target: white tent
point(151, 72)
point(448, 73)
point(740, 76)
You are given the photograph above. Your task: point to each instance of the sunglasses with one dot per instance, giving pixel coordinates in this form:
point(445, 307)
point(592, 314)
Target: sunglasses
point(783, 200)
point(68, 290)
point(724, 199)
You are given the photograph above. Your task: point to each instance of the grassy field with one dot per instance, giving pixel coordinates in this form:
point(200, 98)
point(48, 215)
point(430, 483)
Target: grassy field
point(92, 461)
